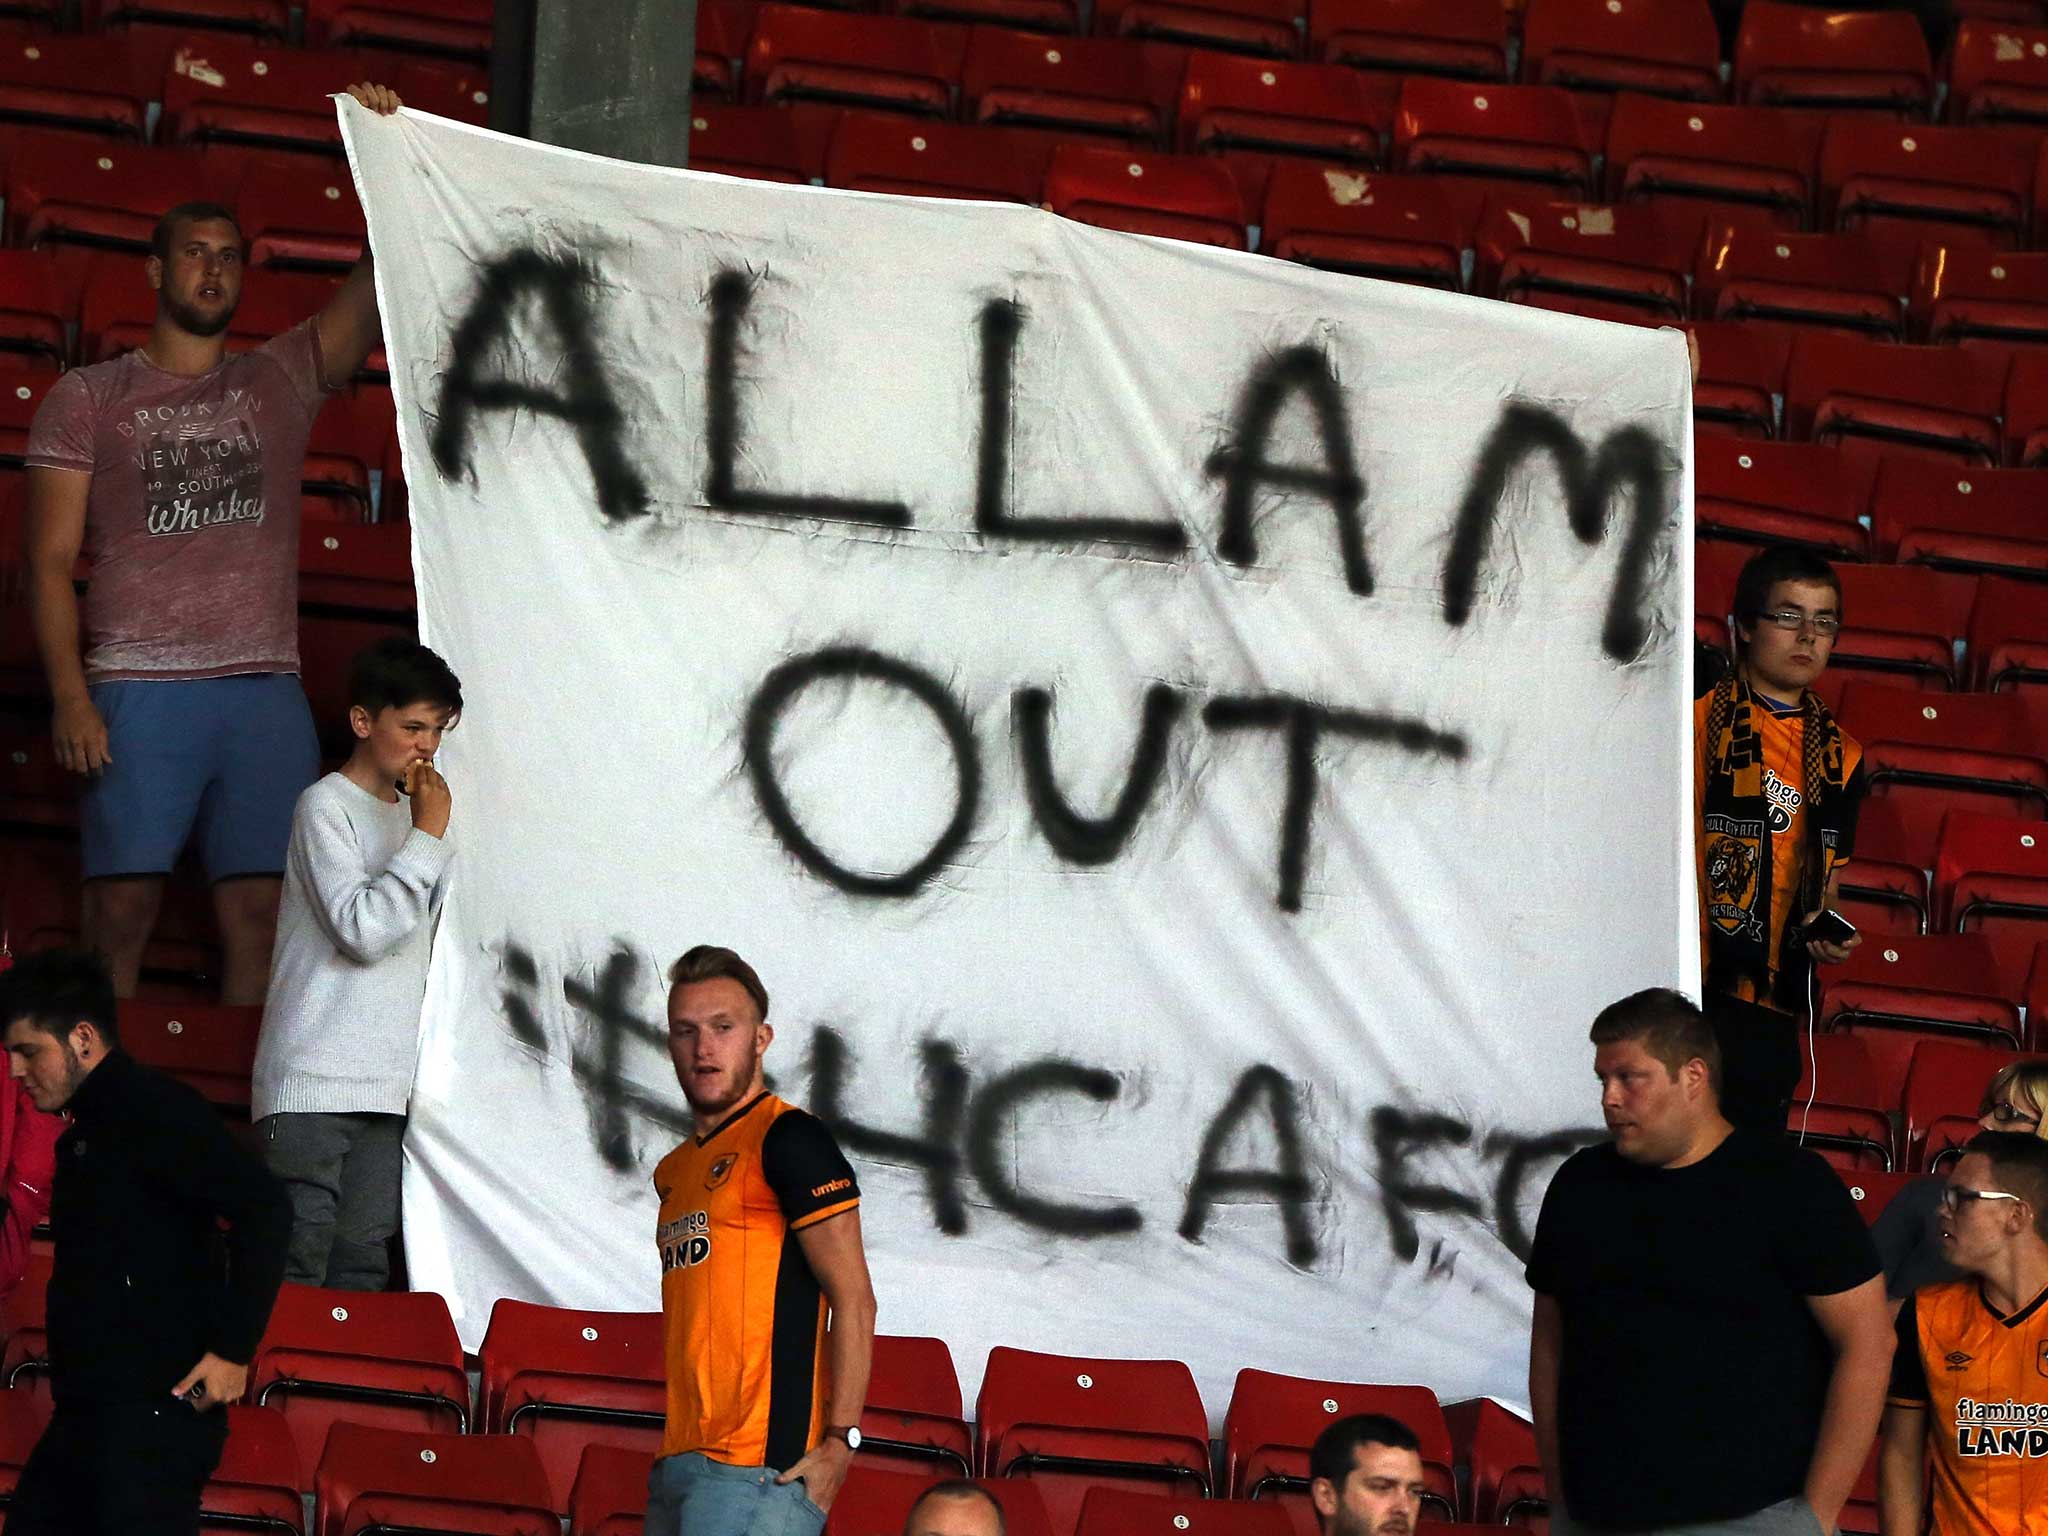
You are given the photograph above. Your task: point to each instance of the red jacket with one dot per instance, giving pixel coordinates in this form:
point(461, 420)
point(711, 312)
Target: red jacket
point(29, 1139)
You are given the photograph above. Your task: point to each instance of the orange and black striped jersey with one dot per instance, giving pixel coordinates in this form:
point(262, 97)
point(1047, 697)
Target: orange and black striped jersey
point(1982, 1376)
point(743, 1317)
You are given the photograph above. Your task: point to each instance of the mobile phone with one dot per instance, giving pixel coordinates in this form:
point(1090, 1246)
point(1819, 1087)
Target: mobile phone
point(1831, 928)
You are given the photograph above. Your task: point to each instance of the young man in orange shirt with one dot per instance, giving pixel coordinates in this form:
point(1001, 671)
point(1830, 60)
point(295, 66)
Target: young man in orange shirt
point(760, 1241)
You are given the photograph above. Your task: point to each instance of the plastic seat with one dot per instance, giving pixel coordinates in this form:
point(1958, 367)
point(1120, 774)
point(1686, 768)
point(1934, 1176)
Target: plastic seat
point(1263, 28)
point(1963, 295)
point(1456, 39)
point(108, 196)
point(1274, 1419)
point(759, 143)
point(212, 1047)
point(881, 152)
point(1849, 1120)
point(299, 221)
point(34, 311)
point(390, 1360)
point(1904, 620)
point(1869, 397)
point(1051, 16)
point(1186, 197)
point(346, 450)
point(1793, 56)
point(22, 391)
point(723, 27)
point(374, 1480)
point(876, 1501)
point(1945, 1096)
point(1067, 1422)
point(35, 791)
point(1729, 158)
point(1742, 371)
point(268, 19)
point(25, 1361)
point(1885, 887)
point(1610, 263)
point(2009, 636)
point(2026, 410)
point(1501, 137)
point(1948, 984)
point(1398, 228)
point(1998, 73)
point(83, 84)
point(1768, 493)
point(609, 1495)
point(258, 1484)
point(567, 1380)
point(1991, 875)
point(1715, 566)
point(39, 909)
point(1871, 1191)
point(242, 95)
point(455, 29)
point(1505, 1486)
point(349, 570)
point(888, 63)
point(1656, 47)
point(1916, 180)
point(1960, 518)
point(1127, 1512)
point(1833, 282)
point(912, 1419)
point(1115, 87)
point(1323, 110)
point(1979, 751)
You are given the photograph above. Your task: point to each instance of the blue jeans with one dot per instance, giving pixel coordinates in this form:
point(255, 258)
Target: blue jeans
point(693, 1493)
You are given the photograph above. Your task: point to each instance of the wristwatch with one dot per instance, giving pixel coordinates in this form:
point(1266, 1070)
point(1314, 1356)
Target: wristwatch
point(850, 1433)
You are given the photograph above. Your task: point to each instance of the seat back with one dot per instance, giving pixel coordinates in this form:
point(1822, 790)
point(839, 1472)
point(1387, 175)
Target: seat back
point(1274, 1419)
point(1945, 1096)
point(1398, 228)
point(1505, 1473)
point(1184, 197)
point(1842, 1106)
point(1107, 1511)
point(609, 1493)
point(1454, 39)
point(1512, 137)
point(1998, 73)
point(1793, 56)
point(1959, 516)
point(211, 1046)
point(912, 1414)
point(478, 1485)
point(1666, 48)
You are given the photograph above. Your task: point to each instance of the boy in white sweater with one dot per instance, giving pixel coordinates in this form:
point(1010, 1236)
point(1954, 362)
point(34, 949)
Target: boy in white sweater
point(363, 882)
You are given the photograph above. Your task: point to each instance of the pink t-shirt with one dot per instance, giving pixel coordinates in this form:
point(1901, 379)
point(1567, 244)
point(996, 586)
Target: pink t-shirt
point(192, 523)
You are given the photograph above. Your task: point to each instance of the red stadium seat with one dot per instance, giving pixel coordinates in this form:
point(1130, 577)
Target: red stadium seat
point(912, 1418)
point(382, 1359)
point(376, 1480)
point(1959, 517)
point(366, 570)
point(258, 1484)
point(455, 29)
point(1945, 1097)
point(1067, 1423)
point(1715, 565)
point(1942, 984)
point(1991, 875)
point(85, 84)
point(1970, 185)
point(1793, 56)
point(2009, 635)
point(1459, 39)
point(756, 142)
point(1742, 371)
point(266, 19)
point(34, 790)
point(445, 87)
point(1885, 887)
point(2026, 410)
point(1124, 1512)
point(1079, 85)
point(21, 1426)
point(328, 643)
point(25, 1362)
point(245, 95)
point(1499, 137)
point(1273, 1420)
point(346, 451)
point(1832, 282)
point(1187, 197)
point(1505, 1482)
point(1725, 158)
point(889, 63)
point(1399, 228)
point(1657, 47)
point(1265, 28)
point(211, 1047)
point(36, 303)
point(1963, 295)
point(881, 152)
point(609, 1496)
point(75, 192)
point(723, 27)
point(1609, 263)
point(1052, 16)
point(1871, 1191)
point(876, 1501)
point(294, 218)
point(1977, 750)
point(1998, 74)
point(568, 1380)
point(40, 909)
point(21, 396)
point(1770, 493)
point(1841, 1108)
point(1904, 620)
point(1323, 110)
point(1870, 397)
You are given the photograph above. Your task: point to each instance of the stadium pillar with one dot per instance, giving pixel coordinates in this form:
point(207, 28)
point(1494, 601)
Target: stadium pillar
point(608, 76)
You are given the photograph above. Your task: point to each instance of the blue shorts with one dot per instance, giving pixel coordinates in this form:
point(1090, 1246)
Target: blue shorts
point(220, 758)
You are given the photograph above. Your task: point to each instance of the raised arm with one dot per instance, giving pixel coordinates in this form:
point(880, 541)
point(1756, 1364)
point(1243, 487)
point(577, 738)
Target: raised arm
point(833, 1250)
point(1858, 1327)
point(52, 537)
point(349, 325)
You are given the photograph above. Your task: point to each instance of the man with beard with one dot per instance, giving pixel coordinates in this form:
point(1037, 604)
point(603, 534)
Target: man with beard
point(170, 1249)
point(1710, 1344)
point(1365, 1477)
point(176, 470)
point(759, 1232)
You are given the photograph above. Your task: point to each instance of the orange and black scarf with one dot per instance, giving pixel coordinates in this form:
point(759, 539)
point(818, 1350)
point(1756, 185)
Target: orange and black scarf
point(1736, 826)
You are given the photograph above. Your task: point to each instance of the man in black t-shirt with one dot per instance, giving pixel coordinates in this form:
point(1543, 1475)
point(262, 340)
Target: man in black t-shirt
point(1711, 1344)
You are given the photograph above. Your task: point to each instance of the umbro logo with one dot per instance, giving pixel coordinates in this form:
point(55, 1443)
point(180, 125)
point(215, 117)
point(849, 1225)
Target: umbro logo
point(1957, 1359)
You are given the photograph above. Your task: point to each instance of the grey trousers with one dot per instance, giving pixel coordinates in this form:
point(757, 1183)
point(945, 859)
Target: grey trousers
point(1792, 1517)
point(342, 1174)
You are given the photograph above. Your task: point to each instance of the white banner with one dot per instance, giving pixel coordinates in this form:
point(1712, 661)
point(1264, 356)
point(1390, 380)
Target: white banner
point(1188, 741)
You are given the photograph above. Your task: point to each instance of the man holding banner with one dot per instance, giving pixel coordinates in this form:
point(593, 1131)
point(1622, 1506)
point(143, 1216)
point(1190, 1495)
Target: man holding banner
point(759, 1235)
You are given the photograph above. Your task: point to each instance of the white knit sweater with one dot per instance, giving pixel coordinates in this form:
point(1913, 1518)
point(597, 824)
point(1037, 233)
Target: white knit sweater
point(362, 891)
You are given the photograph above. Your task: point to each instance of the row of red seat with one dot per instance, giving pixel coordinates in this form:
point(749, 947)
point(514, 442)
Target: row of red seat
point(1888, 1099)
point(459, 29)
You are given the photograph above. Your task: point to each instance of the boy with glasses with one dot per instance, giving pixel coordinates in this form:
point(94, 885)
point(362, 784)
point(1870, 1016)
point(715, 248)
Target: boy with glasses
point(1776, 789)
point(1969, 1385)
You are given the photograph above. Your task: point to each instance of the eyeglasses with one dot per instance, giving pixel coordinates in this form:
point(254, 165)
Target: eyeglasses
point(2012, 1114)
point(1954, 1197)
point(1793, 619)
